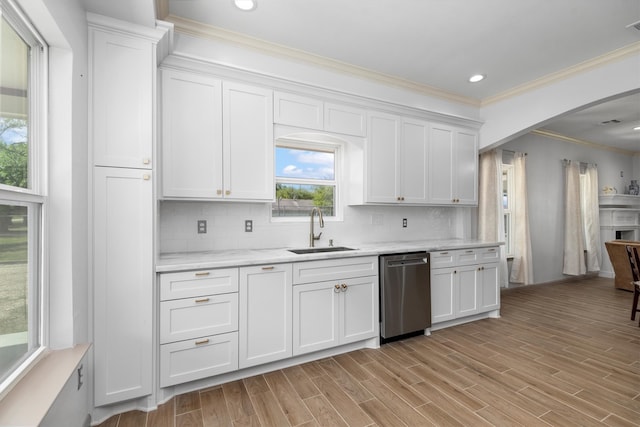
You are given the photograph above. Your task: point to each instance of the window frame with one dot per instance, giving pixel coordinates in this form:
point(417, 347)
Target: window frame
point(324, 146)
point(508, 212)
point(34, 197)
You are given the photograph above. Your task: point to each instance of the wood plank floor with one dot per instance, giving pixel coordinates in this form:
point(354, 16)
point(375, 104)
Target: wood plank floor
point(562, 354)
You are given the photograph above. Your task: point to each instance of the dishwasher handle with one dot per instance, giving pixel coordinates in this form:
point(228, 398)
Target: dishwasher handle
point(407, 262)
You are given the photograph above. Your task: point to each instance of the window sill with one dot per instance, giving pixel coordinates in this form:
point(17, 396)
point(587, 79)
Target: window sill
point(29, 401)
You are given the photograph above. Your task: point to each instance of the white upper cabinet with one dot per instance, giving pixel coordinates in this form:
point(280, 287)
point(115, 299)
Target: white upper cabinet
point(382, 184)
point(343, 119)
point(191, 135)
point(248, 147)
point(397, 150)
point(299, 111)
point(453, 166)
point(121, 97)
point(217, 139)
point(313, 113)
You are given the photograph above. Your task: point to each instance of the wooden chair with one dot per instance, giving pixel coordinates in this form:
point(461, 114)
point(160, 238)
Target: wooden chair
point(634, 261)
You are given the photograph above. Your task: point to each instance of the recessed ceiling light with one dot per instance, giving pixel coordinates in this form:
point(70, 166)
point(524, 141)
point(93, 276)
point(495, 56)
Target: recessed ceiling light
point(246, 5)
point(476, 78)
point(636, 128)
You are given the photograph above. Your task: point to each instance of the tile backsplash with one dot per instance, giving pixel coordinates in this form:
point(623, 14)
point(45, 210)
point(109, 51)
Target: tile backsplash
point(178, 226)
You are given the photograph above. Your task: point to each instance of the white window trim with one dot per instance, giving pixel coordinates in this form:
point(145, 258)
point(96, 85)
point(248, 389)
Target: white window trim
point(338, 182)
point(37, 191)
point(511, 197)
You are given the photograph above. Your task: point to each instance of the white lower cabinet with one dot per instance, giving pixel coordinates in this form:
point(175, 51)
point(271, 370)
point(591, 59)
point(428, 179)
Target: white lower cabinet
point(334, 312)
point(222, 320)
point(265, 314)
point(464, 283)
point(198, 324)
point(123, 284)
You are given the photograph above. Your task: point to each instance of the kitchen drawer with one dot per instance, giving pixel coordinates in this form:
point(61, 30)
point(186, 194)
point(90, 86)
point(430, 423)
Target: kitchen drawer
point(488, 254)
point(200, 282)
point(195, 317)
point(442, 259)
point(334, 269)
point(199, 358)
point(466, 256)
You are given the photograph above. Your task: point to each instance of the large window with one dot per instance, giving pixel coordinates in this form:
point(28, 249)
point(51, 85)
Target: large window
point(306, 177)
point(22, 61)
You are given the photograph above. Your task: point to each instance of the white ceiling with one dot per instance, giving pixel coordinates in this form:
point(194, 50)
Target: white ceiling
point(440, 43)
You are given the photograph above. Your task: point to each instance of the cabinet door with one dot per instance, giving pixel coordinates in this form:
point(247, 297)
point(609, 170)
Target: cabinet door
point(413, 165)
point(468, 302)
point(490, 287)
point(444, 292)
point(359, 309)
point(123, 284)
point(382, 183)
point(441, 165)
point(343, 119)
point(296, 110)
point(315, 316)
point(121, 100)
point(265, 314)
point(248, 146)
point(191, 135)
point(466, 168)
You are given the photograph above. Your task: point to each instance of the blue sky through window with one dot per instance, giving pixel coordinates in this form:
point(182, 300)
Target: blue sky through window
point(304, 164)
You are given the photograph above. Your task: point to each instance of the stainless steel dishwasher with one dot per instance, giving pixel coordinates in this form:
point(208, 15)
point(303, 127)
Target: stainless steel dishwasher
point(405, 294)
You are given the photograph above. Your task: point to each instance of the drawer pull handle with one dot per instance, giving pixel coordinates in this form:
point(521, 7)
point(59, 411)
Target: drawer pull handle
point(202, 300)
point(469, 251)
point(344, 287)
point(492, 250)
point(202, 273)
point(204, 341)
point(444, 253)
point(336, 289)
point(268, 268)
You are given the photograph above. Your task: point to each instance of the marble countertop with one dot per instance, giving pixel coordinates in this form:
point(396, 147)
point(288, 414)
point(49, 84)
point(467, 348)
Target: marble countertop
point(180, 261)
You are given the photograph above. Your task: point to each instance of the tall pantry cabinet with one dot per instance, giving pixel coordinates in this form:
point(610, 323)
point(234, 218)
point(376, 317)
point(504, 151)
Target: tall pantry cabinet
point(122, 87)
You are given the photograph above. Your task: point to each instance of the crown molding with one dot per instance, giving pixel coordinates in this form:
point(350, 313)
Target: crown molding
point(197, 29)
point(598, 61)
point(554, 135)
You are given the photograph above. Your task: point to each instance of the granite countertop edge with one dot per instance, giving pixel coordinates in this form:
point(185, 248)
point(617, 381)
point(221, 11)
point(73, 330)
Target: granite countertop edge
point(182, 261)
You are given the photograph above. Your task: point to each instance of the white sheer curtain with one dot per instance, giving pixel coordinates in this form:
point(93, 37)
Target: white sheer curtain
point(522, 267)
point(490, 214)
point(591, 215)
point(582, 219)
point(574, 247)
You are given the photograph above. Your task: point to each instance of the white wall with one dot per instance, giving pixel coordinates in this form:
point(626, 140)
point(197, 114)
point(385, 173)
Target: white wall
point(545, 181)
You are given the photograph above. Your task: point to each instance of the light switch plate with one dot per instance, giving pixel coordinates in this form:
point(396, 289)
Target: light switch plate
point(248, 226)
point(202, 226)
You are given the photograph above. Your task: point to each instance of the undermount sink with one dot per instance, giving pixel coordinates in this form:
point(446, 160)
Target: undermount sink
point(319, 250)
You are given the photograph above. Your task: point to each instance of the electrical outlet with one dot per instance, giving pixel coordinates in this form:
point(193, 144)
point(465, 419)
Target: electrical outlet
point(202, 226)
point(248, 226)
point(404, 222)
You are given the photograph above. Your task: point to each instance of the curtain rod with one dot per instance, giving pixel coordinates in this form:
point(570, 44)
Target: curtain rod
point(511, 152)
point(581, 163)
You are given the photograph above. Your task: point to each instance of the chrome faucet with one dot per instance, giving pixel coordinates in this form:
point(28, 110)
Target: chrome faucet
point(312, 236)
